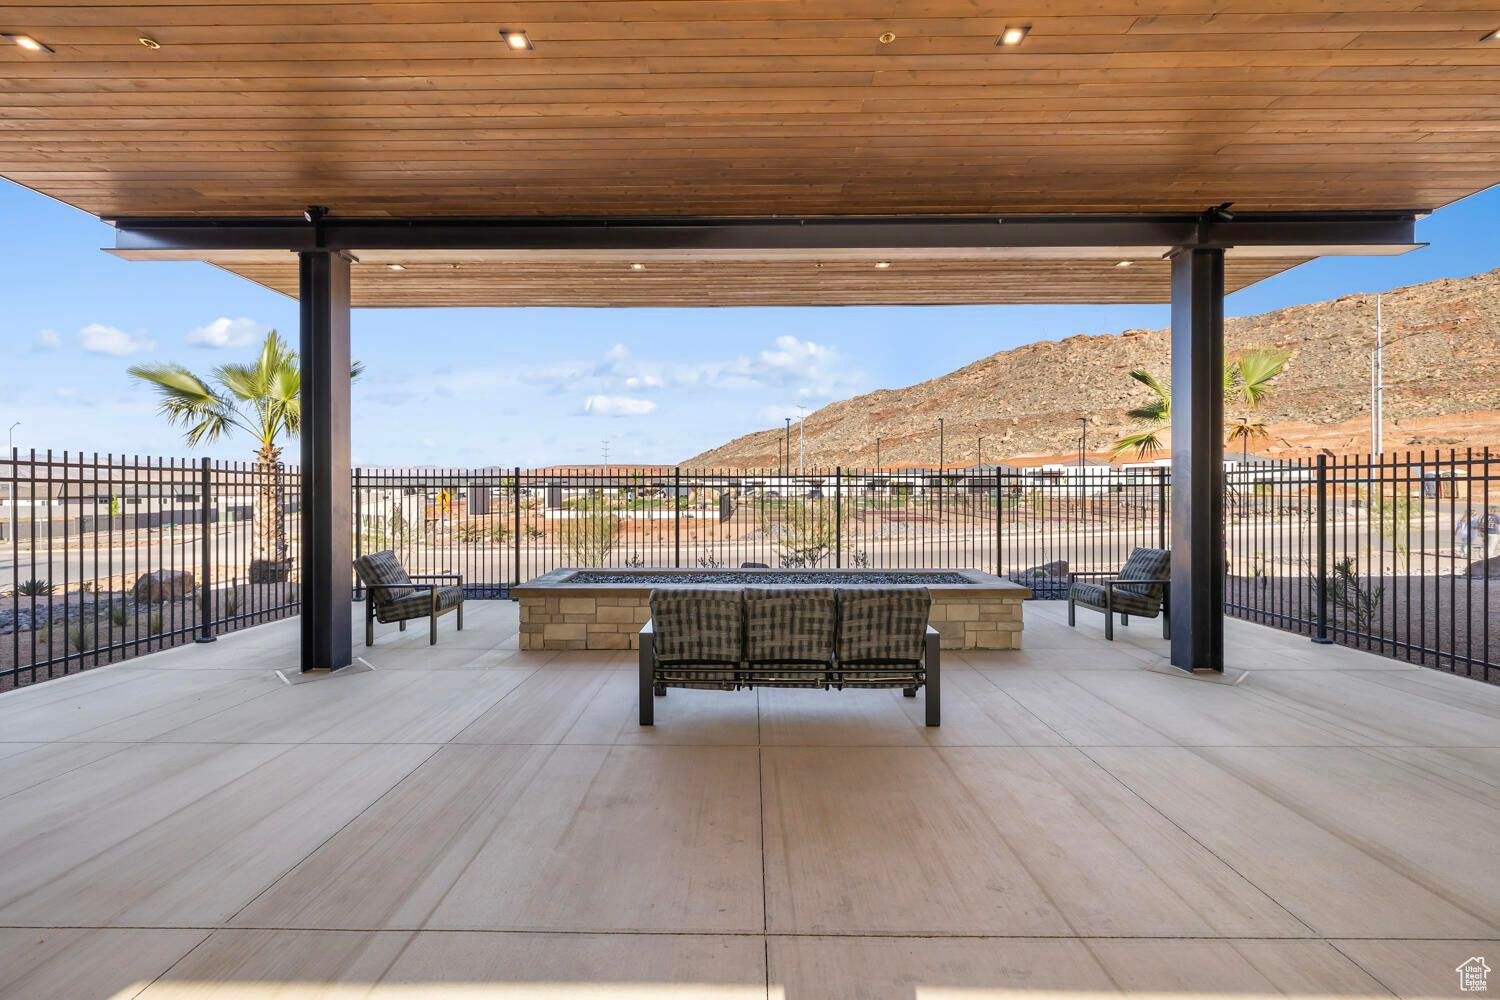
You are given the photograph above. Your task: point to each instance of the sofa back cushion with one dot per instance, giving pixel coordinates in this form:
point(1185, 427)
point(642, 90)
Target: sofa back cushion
point(883, 625)
point(1146, 564)
point(384, 576)
point(790, 625)
point(697, 624)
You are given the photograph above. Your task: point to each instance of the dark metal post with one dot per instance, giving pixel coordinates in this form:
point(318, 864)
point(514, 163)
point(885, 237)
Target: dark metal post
point(838, 517)
point(1161, 507)
point(359, 527)
point(1198, 459)
point(677, 517)
point(517, 499)
point(325, 483)
point(1322, 516)
point(205, 553)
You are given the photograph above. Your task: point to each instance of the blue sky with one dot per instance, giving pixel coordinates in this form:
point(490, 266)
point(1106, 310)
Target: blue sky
point(534, 386)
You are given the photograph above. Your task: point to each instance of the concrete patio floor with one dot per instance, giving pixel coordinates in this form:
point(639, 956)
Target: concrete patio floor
point(473, 821)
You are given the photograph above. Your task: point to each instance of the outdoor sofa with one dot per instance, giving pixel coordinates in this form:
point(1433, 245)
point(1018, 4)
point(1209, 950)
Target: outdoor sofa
point(1139, 588)
point(725, 638)
point(393, 595)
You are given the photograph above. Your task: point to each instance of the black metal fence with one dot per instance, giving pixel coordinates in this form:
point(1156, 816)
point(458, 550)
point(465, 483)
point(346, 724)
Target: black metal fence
point(1397, 554)
point(104, 557)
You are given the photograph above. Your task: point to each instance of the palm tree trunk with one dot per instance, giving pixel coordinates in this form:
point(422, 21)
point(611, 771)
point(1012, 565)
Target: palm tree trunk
point(270, 523)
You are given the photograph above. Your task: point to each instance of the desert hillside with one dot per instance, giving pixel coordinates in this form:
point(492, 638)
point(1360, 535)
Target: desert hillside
point(1442, 365)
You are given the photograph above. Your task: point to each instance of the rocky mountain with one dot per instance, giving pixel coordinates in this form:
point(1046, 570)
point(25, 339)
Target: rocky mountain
point(1442, 376)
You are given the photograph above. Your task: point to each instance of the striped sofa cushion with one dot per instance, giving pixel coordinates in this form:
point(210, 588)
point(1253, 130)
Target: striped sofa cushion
point(882, 625)
point(697, 625)
point(384, 575)
point(1092, 595)
point(790, 626)
point(1146, 564)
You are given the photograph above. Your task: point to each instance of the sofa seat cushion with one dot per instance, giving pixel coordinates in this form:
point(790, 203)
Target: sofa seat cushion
point(1091, 595)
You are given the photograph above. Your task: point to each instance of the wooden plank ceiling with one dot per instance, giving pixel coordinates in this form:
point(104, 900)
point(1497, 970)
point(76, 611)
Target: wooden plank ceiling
point(753, 107)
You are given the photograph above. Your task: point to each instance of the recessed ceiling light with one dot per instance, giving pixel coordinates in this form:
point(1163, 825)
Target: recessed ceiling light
point(517, 40)
point(882, 264)
point(26, 42)
point(1125, 263)
point(1493, 36)
point(1014, 34)
point(149, 42)
point(887, 38)
point(637, 266)
point(396, 267)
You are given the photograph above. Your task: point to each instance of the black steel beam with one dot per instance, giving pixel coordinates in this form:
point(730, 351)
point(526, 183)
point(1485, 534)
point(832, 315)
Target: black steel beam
point(326, 542)
point(1197, 591)
point(730, 234)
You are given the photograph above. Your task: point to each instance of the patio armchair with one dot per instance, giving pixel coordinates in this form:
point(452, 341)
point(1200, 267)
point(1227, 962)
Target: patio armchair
point(1140, 587)
point(884, 640)
point(393, 595)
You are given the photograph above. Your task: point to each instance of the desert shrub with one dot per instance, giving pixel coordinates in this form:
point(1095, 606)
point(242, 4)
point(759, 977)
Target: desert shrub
point(34, 588)
point(1348, 592)
point(80, 640)
point(802, 532)
point(591, 537)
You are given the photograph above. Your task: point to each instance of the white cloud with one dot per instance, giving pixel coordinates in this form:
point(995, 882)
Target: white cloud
point(49, 340)
point(100, 339)
point(226, 332)
point(617, 406)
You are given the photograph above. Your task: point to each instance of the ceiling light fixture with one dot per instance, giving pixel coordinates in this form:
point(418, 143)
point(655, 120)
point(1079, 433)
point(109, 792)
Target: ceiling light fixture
point(637, 266)
point(1125, 263)
point(519, 41)
point(149, 42)
point(27, 42)
point(396, 267)
point(882, 264)
point(1014, 34)
point(1493, 36)
point(887, 38)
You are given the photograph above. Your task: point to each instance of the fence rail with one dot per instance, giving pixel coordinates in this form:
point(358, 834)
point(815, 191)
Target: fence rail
point(1396, 554)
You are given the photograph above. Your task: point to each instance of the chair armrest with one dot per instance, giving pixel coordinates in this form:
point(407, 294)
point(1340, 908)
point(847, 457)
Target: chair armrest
point(648, 628)
point(1120, 580)
point(1091, 573)
point(439, 576)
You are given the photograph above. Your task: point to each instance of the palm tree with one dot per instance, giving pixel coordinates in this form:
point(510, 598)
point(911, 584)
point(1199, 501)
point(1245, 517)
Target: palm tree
point(1247, 380)
point(261, 399)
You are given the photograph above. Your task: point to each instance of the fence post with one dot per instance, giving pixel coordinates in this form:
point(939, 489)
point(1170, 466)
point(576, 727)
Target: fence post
point(205, 553)
point(999, 524)
point(1321, 637)
point(516, 506)
point(359, 532)
point(838, 517)
point(1161, 506)
point(677, 517)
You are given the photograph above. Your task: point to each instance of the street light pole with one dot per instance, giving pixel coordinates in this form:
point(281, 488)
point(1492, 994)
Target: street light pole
point(877, 454)
point(980, 460)
point(787, 448)
point(12, 434)
point(801, 441)
point(941, 463)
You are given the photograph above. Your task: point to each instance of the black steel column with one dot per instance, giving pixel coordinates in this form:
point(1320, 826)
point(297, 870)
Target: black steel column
point(327, 550)
point(1197, 590)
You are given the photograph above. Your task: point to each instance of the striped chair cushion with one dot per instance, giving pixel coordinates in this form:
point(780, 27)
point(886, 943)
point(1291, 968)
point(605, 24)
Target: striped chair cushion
point(883, 625)
point(790, 625)
point(697, 625)
point(384, 575)
point(1091, 595)
point(1146, 564)
point(418, 604)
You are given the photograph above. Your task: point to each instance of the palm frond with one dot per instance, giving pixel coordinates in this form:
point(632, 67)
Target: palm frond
point(1254, 370)
point(1157, 411)
point(1247, 431)
point(1141, 442)
point(187, 401)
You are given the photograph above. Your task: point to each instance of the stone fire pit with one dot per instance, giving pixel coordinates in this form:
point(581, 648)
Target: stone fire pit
point(605, 608)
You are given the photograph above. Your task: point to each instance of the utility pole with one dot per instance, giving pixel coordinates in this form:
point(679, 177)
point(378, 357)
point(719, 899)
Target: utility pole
point(1083, 447)
point(877, 454)
point(787, 451)
point(941, 463)
point(1379, 439)
point(980, 460)
point(606, 453)
point(801, 440)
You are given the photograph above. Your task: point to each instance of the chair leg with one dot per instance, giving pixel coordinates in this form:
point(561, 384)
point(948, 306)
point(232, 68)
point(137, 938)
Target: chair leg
point(402, 626)
point(1072, 618)
point(1109, 621)
point(460, 616)
point(1125, 620)
point(369, 621)
point(645, 663)
point(1166, 623)
point(934, 681)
